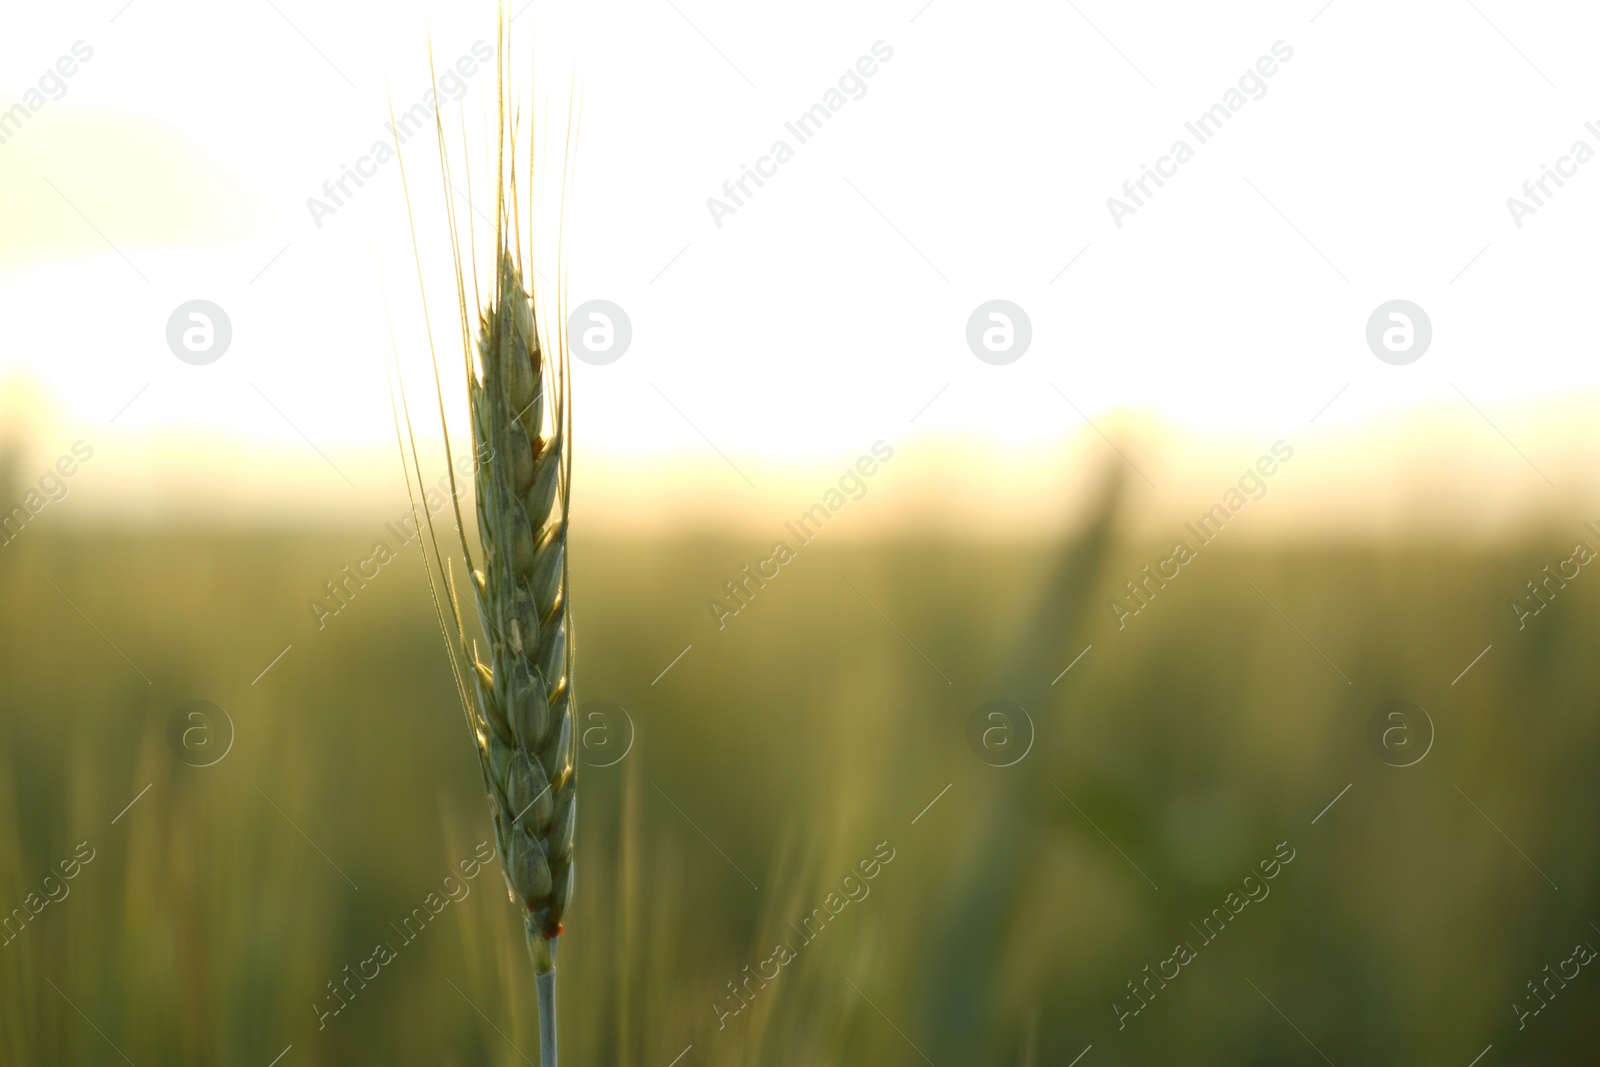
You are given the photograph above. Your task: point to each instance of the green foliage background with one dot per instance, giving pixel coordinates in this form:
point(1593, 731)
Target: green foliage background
point(797, 739)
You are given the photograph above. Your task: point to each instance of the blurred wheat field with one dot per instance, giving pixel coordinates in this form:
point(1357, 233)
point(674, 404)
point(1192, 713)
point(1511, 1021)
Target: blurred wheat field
point(767, 763)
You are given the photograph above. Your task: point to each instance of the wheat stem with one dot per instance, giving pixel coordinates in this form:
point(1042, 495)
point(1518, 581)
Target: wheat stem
point(546, 983)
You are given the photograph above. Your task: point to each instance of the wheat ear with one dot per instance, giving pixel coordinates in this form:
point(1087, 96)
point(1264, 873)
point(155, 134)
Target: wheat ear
point(522, 426)
point(520, 708)
point(523, 694)
point(517, 702)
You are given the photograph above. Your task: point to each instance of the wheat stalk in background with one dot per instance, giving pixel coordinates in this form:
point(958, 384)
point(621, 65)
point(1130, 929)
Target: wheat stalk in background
point(518, 698)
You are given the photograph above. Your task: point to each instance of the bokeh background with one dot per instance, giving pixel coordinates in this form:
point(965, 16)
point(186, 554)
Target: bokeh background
point(735, 772)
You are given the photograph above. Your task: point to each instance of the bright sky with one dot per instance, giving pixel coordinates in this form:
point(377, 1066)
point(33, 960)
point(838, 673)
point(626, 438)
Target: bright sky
point(775, 342)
